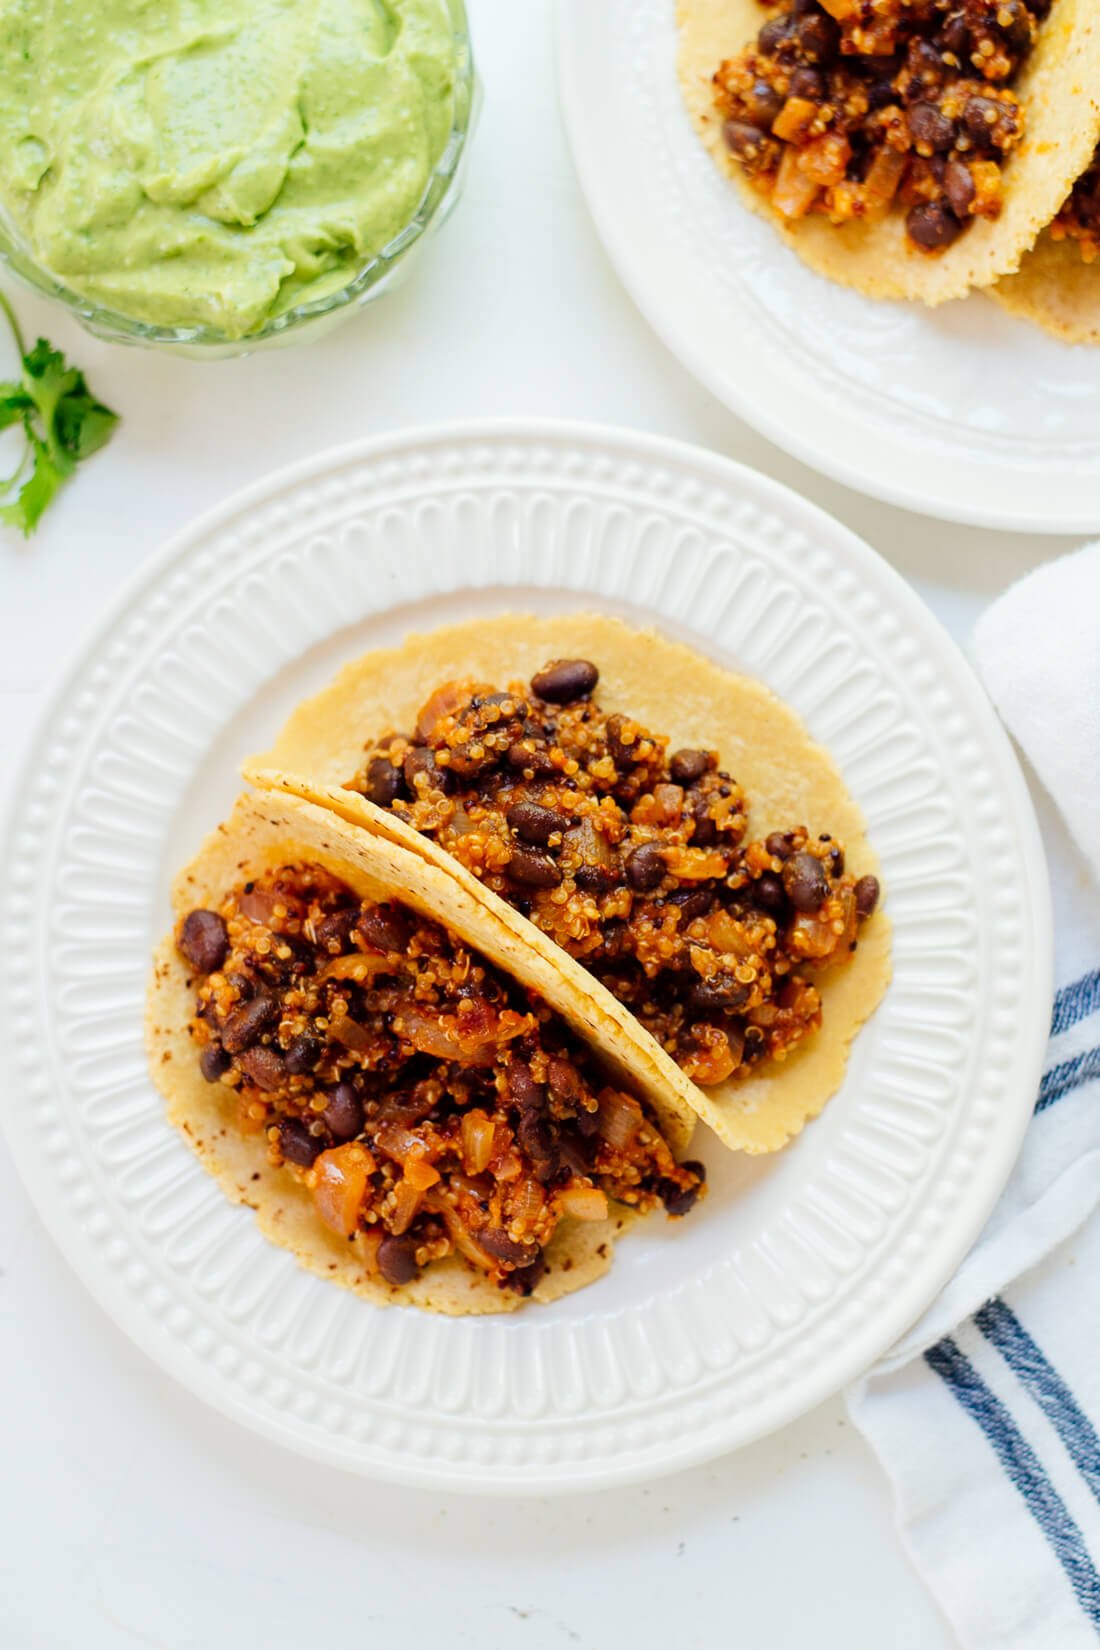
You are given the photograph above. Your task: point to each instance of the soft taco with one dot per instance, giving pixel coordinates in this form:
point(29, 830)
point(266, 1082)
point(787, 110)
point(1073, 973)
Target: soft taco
point(677, 849)
point(340, 1034)
point(1058, 283)
point(908, 148)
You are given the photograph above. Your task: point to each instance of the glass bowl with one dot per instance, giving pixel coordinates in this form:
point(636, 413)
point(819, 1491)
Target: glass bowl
point(305, 321)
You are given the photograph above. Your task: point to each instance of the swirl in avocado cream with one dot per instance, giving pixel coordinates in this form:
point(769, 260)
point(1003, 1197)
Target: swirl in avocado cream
point(217, 162)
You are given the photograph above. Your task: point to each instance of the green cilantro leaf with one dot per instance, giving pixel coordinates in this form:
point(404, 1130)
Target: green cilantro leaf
point(62, 422)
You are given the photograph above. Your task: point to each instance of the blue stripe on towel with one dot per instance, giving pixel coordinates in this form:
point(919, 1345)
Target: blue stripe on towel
point(1075, 1002)
point(1029, 1363)
point(1023, 1467)
point(1070, 1074)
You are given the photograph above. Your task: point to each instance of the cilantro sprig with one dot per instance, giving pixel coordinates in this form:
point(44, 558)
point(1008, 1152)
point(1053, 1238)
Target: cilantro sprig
point(62, 423)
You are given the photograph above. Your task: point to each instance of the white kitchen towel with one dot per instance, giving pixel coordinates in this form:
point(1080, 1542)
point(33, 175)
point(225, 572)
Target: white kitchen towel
point(987, 1415)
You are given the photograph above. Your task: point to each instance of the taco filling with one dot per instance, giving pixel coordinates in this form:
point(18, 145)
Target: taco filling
point(635, 860)
point(850, 107)
point(429, 1104)
point(1079, 219)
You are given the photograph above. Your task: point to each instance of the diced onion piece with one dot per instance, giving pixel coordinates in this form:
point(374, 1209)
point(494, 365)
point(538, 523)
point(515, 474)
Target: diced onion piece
point(620, 1118)
point(398, 1142)
point(420, 1173)
point(460, 1234)
point(794, 119)
point(583, 1203)
point(478, 1137)
point(341, 1186)
point(407, 1200)
point(794, 193)
point(695, 864)
point(529, 1201)
point(883, 176)
point(443, 702)
point(841, 9)
point(259, 905)
point(725, 933)
point(350, 1033)
point(825, 160)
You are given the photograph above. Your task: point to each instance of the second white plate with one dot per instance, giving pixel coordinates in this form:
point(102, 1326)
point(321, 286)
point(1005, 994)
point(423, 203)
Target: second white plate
point(961, 412)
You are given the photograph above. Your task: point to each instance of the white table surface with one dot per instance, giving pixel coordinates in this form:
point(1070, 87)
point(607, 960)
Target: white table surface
point(130, 1515)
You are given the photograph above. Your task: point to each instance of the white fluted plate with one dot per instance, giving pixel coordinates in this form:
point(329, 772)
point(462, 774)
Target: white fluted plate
point(963, 412)
point(799, 1269)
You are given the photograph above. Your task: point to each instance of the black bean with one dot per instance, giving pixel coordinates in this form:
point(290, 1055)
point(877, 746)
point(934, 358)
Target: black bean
point(524, 1279)
point(930, 128)
point(743, 139)
point(958, 186)
point(535, 1136)
point(778, 844)
point(692, 903)
point(717, 996)
point(420, 764)
point(763, 104)
point(808, 83)
point(836, 862)
point(333, 931)
point(384, 782)
point(263, 1066)
point(705, 832)
point(204, 940)
point(302, 1055)
point(980, 117)
point(248, 1023)
point(769, 893)
point(213, 1062)
point(385, 927)
point(595, 879)
point(344, 1113)
point(563, 680)
point(497, 1243)
point(932, 226)
point(297, 1144)
point(531, 756)
point(645, 867)
point(533, 870)
point(523, 1091)
point(775, 34)
point(532, 823)
point(818, 37)
point(686, 766)
point(806, 884)
point(867, 892)
point(397, 1259)
point(955, 36)
point(565, 1084)
point(679, 1200)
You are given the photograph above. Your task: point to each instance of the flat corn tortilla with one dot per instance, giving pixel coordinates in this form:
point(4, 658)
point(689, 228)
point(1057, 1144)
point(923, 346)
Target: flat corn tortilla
point(267, 832)
point(1059, 88)
point(1057, 289)
point(788, 778)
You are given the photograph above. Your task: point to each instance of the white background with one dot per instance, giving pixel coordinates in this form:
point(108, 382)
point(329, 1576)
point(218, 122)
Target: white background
point(129, 1514)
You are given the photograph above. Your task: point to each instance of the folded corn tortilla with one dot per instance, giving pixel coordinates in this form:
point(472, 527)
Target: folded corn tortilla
point(1057, 289)
point(1059, 89)
point(789, 780)
point(272, 830)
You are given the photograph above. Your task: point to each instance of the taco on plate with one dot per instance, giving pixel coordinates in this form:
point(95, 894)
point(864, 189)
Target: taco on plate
point(340, 1033)
point(663, 836)
point(1058, 284)
point(908, 148)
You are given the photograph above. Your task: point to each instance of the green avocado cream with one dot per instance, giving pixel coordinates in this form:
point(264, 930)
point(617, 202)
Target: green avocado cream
point(217, 162)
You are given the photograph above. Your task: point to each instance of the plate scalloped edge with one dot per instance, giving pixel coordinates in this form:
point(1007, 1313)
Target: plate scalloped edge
point(687, 1351)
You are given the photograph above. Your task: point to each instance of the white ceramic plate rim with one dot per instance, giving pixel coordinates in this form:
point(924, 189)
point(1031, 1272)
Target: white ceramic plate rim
point(950, 1247)
point(997, 500)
